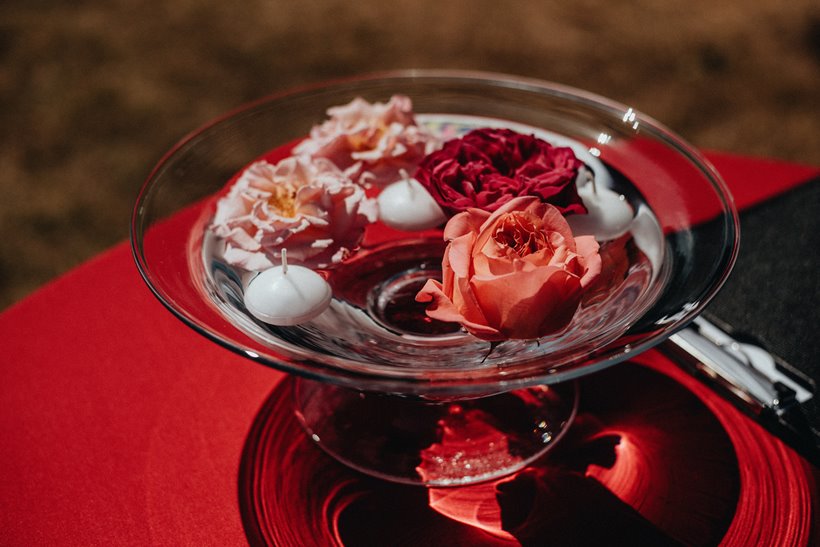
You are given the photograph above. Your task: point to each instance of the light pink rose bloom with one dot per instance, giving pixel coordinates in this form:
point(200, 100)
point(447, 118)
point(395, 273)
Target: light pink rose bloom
point(515, 273)
point(371, 142)
point(307, 206)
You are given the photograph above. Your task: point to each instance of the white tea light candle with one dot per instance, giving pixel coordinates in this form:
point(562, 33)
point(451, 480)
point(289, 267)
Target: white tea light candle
point(609, 214)
point(406, 205)
point(287, 294)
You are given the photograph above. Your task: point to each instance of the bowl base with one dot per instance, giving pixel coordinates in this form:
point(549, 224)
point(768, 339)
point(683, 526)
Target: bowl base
point(435, 443)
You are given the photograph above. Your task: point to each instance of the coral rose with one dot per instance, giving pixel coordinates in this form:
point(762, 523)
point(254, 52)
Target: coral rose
point(489, 167)
point(309, 207)
point(371, 142)
point(516, 273)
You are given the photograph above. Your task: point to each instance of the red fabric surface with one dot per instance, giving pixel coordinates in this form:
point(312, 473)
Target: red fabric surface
point(119, 425)
point(755, 180)
point(122, 426)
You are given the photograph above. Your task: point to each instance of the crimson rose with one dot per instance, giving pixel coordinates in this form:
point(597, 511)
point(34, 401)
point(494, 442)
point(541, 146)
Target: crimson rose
point(489, 167)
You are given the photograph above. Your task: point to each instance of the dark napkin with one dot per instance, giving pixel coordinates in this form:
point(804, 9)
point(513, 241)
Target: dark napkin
point(772, 293)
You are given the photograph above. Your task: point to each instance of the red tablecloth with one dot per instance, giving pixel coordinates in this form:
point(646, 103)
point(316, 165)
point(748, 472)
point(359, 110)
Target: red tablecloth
point(121, 426)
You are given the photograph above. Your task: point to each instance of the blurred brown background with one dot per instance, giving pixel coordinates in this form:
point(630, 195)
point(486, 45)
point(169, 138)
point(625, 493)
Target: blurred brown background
point(93, 92)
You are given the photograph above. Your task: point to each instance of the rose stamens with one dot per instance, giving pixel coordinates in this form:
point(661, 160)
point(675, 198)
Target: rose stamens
point(519, 232)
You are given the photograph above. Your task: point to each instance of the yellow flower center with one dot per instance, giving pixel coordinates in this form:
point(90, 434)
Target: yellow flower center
point(366, 140)
point(283, 199)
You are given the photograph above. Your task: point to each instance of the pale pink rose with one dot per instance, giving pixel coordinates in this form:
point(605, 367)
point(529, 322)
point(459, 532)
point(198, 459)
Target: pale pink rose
point(371, 142)
point(515, 273)
point(307, 206)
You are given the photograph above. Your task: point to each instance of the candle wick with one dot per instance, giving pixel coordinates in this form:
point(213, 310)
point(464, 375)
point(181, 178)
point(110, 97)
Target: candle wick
point(284, 261)
point(406, 178)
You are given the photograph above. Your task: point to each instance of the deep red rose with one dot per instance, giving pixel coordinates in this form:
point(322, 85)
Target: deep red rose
point(488, 167)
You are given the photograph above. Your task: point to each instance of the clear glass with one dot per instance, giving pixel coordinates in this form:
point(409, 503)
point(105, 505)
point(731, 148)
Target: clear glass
point(438, 444)
point(684, 210)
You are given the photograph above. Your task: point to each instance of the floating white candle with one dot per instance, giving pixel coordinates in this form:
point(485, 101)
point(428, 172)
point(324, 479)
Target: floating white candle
point(287, 295)
point(609, 214)
point(648, 237)
point(406, 205)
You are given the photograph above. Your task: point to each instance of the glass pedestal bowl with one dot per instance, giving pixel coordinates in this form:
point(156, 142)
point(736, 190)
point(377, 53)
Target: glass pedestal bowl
point(379, 386)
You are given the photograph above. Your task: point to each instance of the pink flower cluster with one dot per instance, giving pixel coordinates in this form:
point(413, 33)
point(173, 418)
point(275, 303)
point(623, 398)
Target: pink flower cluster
point(373, 143)
point(313, 203)
point(307, 206)
point(512, 269)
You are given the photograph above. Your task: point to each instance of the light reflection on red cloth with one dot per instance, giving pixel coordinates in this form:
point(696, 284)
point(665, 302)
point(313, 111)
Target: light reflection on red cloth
point(641, 455)
point(778, 497)
point(475, 506)
point(647, 461)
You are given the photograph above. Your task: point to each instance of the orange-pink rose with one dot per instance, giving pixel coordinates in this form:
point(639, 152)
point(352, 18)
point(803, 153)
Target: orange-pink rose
point(516, 273)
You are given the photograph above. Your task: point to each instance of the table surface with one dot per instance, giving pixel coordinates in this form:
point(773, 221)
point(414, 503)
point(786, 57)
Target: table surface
point(120, 425)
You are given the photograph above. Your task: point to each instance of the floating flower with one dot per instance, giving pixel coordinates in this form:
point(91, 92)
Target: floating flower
point(371, 142)
point(487, 168)
point(515, 273)
point(310, 207)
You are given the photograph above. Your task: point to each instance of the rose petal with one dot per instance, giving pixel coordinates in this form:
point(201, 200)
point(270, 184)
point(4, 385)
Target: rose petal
point(588, 247)
point(458, 254)
point(553, 218)
point(442, 308)
point(467, 304)
point(469, 221)
point(527, 305)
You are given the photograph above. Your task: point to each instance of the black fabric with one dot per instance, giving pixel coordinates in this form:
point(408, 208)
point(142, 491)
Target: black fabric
point(772, 293)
